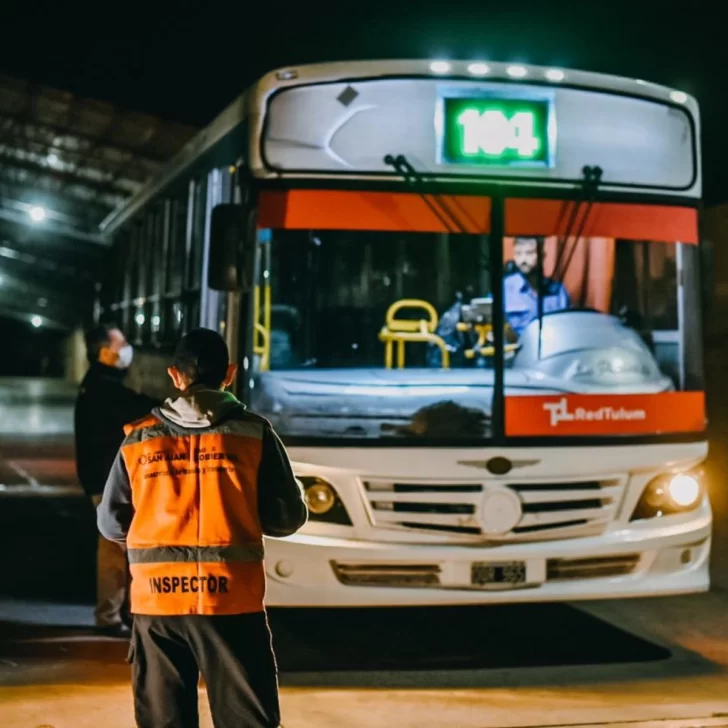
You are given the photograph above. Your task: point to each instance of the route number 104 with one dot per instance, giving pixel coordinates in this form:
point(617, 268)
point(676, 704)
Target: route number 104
point(493, 133)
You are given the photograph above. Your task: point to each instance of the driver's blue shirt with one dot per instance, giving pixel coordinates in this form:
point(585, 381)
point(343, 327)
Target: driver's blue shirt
point(521, 302)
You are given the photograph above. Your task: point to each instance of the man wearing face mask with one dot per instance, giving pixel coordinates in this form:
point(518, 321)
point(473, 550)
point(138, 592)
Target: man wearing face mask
point(104, 405)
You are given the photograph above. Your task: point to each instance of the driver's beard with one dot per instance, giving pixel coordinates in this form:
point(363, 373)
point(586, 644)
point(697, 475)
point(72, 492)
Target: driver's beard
point(532, 278)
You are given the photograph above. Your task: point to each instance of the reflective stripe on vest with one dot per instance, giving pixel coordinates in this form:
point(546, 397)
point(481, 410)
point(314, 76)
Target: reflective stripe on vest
point(196, 554)
point(195, 544)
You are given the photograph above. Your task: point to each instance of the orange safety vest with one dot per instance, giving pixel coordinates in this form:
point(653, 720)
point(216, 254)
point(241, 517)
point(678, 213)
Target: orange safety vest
point(195, 544)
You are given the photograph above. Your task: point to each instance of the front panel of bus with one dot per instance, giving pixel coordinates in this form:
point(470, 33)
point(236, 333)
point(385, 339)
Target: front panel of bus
point(476, 325)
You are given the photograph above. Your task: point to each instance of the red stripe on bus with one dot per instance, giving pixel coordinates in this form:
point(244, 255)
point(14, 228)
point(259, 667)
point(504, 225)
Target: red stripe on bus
point(348, 210)
point(591, 415)
point(610, 220)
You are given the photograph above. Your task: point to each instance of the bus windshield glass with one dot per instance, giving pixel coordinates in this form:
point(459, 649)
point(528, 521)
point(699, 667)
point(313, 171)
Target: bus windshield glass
point(366, 334)
point(389, 334)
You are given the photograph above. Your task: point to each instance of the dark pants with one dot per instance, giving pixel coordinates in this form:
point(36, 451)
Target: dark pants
point(234, 655)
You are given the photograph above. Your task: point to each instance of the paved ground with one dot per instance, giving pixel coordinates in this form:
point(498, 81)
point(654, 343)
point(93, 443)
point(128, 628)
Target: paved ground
point(663, 660)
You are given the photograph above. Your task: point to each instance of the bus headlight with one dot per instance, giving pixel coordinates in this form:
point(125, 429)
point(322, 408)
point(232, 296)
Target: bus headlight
point(323, 501)
point(684, 490)
point(670, 493)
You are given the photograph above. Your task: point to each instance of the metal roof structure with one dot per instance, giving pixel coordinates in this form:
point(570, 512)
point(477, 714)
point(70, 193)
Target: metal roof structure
point(66, 163)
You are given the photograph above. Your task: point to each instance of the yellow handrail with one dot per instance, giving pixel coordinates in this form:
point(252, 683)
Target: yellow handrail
point(482, 347)
point(403, 331)
point(263, 350)
point(395, 324)
point(261, 331)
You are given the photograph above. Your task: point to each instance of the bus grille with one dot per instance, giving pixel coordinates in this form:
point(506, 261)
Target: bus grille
point(594, 568)
point(394, 575)
point(557, 509)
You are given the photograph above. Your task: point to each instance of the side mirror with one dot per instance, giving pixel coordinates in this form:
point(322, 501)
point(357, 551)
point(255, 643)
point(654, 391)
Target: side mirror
point(232, 249)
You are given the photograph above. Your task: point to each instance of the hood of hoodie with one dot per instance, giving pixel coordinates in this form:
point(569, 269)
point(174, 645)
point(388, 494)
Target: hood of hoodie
point(199, 408)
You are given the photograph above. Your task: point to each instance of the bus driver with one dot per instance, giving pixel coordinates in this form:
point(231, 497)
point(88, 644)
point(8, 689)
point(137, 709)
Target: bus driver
point(520, 288)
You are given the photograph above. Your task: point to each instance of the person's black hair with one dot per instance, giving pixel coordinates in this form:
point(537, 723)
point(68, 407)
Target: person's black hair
point(97, 338)
point(203, 357)
point(540, 240)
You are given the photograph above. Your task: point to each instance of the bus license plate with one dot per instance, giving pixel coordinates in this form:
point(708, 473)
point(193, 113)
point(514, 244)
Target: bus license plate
point(488, 574)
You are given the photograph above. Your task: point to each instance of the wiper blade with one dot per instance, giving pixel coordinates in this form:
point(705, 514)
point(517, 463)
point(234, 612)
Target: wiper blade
point(437, 204)
point(589, 187)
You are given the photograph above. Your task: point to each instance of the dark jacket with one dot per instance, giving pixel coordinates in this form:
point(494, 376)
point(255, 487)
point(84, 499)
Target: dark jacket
point(103, 406)
point(281, 506)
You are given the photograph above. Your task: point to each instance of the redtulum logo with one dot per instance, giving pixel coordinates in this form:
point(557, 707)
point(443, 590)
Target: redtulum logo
point(560, 412)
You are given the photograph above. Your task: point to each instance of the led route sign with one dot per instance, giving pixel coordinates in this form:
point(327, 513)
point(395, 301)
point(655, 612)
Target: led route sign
point(497, 132)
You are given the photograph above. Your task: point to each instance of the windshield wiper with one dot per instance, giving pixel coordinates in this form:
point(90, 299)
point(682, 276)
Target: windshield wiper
point(439, 207)
point(589, 186)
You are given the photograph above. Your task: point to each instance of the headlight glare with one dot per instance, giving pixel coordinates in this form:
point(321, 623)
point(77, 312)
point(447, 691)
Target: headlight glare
point(684, 490)
point(670, 493)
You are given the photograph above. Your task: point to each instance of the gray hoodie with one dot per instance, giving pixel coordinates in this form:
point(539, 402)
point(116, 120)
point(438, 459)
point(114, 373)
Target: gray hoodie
point(199, 408)
point(281, 506)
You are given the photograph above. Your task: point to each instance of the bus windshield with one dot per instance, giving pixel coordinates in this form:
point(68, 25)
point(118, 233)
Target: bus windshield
point(381, 334)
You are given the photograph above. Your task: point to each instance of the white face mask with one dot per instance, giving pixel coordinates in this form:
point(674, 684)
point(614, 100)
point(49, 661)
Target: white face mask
point(126, 354)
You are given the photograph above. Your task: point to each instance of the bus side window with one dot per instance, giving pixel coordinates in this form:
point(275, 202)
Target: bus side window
point(175, 268)
point(707, 273)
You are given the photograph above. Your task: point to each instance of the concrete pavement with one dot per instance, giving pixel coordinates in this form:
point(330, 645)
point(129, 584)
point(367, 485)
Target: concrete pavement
point(87, 685)
point(63, 677)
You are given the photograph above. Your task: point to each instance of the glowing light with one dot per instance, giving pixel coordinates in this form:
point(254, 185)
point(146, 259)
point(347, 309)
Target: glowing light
point(495, 131)
point(555, 74)
point(440, 67)
point(679, 97)
point(140, 318)
point(492, 132)
point(479, 69)
point(517, 71)
point(156, 320)
point(684, 490)
point(37, 213)
point(36, 321)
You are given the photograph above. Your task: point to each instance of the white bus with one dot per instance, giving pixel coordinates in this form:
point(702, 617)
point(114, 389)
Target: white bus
point(467, 297)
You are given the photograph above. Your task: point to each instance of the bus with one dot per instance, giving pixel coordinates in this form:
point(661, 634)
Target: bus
point(467, 297)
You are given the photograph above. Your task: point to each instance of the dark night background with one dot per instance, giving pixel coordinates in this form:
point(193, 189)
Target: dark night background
point(186, 61)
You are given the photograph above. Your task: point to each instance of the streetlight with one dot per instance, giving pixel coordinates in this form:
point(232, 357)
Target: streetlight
point(37, 322)
point(37, 213)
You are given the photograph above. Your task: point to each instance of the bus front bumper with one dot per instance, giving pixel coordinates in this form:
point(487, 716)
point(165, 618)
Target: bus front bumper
point(653, 559)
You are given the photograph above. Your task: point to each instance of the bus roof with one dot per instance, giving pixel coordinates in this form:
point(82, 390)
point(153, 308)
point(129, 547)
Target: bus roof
point(470, 70)
point(341, 71)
